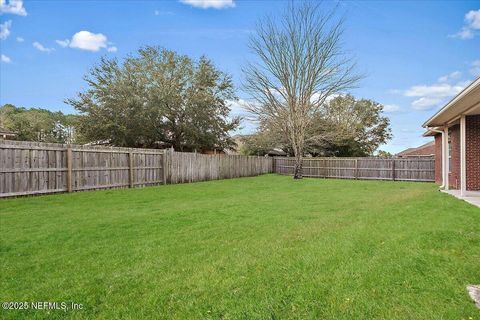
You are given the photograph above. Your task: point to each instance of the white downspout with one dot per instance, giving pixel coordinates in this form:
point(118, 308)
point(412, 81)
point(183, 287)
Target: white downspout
point(446, 151)
point(443, 154)
point(463, 162)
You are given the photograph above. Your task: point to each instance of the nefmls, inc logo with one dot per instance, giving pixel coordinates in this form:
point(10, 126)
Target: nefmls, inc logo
point(46, 305)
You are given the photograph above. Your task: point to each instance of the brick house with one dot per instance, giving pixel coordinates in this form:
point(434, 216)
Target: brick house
point(6, 134)
point(456, 129)
point(425, 150)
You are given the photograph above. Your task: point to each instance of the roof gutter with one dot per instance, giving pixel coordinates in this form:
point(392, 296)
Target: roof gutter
point(454, 100)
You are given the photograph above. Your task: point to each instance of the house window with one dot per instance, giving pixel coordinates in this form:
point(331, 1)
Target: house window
point(449, 151)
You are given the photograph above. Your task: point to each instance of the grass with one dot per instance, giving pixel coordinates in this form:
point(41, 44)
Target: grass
point(250, 248)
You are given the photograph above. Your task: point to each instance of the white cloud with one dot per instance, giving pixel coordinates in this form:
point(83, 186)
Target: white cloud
point(6, 59)
point(472, 23)
point(86, 40)
point(13, 7)
point(439, 90)
point(63, 43)
point(237, 107)
point(473, 19)
point(5, 29)
point(425, 103)
point(431, 95)
point(464, 34)
point(391, 108)
point(20, 39)
point(451, 76)
point(205, 4)
point(89, 41)
point(40, 47)
point(317, 96)
point(475, 70)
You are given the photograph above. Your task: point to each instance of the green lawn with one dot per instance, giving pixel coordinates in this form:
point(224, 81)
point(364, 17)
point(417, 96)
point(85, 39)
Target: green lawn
point(251, 248)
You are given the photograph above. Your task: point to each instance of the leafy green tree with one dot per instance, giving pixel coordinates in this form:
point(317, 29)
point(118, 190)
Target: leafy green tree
point(384, 154)
point(157, 97)
point(37, 124)
point(267, 138)
point(358, 125)
point(342, 127)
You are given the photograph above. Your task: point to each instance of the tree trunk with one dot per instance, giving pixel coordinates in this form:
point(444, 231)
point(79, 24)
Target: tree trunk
point(298, 170)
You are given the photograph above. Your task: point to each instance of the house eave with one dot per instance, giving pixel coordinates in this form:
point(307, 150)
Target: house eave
point(466, 102)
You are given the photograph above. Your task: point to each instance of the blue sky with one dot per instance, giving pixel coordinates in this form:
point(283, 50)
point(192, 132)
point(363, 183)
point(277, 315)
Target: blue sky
point(415, 54)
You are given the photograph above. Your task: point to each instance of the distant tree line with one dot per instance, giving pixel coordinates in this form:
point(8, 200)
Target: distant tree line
point(37, 124)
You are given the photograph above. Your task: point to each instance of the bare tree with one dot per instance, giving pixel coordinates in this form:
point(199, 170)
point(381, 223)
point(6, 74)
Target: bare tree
point(300, 64)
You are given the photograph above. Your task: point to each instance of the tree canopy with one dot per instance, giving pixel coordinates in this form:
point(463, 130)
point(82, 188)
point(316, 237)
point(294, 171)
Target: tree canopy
point(157, 97)
point(342, 127)
point(37, 124)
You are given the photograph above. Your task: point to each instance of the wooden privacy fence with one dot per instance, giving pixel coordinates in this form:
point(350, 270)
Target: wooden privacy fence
point(412, 169)
point(37, 168)
point(189, 167)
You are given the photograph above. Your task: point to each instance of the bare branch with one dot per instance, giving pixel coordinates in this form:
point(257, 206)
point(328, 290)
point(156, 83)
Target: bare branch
point(300, 64)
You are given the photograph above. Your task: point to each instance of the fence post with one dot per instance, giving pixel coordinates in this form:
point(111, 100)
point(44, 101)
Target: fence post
point(273, 164)
point(356, 169)
point(130, 169)
point(393, 169)
point(324, 161)
point(69, 168)
point(164, 164)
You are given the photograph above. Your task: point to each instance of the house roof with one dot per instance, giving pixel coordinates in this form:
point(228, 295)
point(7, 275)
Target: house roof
point(277, 152)
point(467, 102)
point(427, 149)
point(6, 131)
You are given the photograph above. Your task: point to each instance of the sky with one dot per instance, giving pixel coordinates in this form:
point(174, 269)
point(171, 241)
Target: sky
point(415, 55)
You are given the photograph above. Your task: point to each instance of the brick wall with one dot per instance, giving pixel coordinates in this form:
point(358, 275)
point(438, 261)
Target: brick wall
point(438, 158)
point(472, 138)
point(454, 175)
